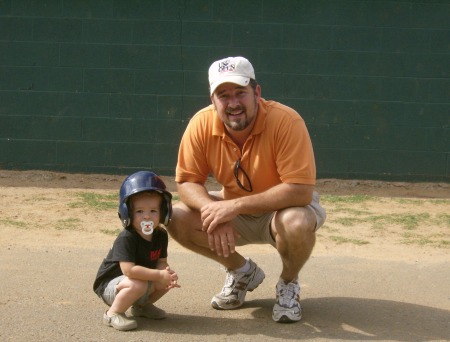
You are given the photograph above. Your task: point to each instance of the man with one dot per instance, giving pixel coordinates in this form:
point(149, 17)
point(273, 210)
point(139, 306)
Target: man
point(260, 152)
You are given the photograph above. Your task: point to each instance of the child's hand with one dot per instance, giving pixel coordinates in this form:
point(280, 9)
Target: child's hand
point(170, 278)
point(173, 278)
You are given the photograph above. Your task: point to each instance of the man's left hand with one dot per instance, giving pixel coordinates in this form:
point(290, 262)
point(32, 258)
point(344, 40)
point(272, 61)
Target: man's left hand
point(215, 213)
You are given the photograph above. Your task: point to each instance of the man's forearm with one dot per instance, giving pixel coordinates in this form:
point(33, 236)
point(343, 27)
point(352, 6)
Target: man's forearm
point(194, 195)
point(279, 197)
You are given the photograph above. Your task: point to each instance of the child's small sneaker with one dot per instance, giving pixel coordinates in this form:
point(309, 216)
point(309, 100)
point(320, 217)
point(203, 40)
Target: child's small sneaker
point(119, 322)
point(148, 311)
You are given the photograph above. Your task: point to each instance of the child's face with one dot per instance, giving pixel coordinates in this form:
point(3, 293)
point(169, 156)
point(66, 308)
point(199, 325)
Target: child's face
point(145, 206)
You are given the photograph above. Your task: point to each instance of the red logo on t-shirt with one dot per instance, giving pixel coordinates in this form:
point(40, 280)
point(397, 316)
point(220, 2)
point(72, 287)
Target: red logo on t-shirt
point(154, 255)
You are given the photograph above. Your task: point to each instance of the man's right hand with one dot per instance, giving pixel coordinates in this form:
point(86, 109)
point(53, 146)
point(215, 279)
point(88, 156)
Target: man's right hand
point(222, 239)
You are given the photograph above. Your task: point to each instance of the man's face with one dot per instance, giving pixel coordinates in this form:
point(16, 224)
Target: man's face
point(236, 105)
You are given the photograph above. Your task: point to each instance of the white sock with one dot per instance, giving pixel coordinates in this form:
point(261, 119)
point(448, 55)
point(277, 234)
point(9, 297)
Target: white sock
point(287, 282)
point(244, 268)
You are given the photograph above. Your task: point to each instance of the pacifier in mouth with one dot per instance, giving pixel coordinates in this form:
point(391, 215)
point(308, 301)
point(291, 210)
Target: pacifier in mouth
point(147, 227)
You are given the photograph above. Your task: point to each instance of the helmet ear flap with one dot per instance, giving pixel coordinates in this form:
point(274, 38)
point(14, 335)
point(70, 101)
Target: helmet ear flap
point(166, 209)
point(123, 215)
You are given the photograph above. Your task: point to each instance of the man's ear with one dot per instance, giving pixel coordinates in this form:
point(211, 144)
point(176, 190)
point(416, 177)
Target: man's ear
point(258, 92)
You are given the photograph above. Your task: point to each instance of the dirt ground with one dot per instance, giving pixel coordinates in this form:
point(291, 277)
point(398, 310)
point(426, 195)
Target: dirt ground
point(49, 179)
point(379, 271)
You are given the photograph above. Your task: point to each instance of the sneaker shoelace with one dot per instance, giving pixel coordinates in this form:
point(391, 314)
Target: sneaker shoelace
point(288, 294)
point(231, 280)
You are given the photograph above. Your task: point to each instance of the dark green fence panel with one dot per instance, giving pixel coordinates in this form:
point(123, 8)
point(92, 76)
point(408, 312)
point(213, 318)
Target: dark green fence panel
point(109, 86)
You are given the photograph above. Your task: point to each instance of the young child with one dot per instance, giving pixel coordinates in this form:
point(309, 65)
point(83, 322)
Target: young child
point(135, 273)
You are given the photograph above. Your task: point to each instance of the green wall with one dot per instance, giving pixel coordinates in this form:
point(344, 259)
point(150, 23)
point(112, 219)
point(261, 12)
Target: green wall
point(108, 86)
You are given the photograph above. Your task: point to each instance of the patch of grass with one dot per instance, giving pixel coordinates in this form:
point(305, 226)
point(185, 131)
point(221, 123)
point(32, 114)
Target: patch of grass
point(434, 240)
point(348, 221)
point(68, 224)
point(443, 219)
point(96, 201)
point(13, 223)
point(100, 201)
point(340, 240)
point(111, 232)
point(38, 198)
point(329, 229)
point(409, 201)
point(444, 243)
point(355, 212)
point(422, 241)
point(439, 201)
point(410, 239)
point(346, 199)
point(407, 221)
point(348, 211)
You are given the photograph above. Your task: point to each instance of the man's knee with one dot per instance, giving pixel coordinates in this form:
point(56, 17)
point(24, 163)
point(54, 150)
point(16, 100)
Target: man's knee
point(295, 221)
point(183, 220)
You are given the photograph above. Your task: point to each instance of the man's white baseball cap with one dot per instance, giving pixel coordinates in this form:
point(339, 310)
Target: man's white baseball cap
point(236, 70)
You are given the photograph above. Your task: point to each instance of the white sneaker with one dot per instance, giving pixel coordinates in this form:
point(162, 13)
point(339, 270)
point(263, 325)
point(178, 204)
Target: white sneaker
point(148, 311)
point(119, 322)
point(236, 287)
point(287, 309)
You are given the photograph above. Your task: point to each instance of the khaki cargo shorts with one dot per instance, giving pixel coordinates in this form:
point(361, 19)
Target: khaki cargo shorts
point(255, 229)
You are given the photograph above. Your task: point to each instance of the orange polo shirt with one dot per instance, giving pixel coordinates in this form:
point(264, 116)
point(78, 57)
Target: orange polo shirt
point(278, 150)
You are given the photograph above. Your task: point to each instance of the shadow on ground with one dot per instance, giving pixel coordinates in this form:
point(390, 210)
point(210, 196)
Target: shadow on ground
point(323, 318)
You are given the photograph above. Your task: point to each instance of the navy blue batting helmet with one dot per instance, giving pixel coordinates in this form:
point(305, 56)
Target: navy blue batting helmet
point(139, 182)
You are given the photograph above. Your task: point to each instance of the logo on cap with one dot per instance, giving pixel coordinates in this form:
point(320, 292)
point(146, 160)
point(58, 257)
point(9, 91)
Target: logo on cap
point(236, 70)
point(227, 66)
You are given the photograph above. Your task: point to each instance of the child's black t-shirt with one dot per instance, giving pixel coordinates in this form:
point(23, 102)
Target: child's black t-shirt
point(130, 246)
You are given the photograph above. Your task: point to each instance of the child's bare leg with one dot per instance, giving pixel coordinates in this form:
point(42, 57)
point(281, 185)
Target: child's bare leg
point(147, 309)
point(129, 291)
point(156, 293)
